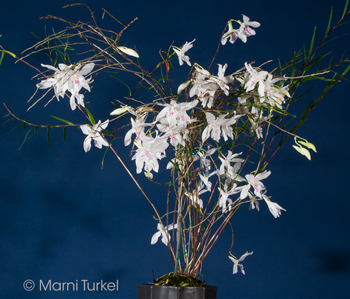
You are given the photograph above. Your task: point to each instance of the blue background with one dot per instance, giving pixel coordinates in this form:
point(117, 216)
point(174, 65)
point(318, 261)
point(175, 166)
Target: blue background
point(63, 218)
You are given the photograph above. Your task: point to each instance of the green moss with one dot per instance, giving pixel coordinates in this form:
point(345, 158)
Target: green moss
point(179, 280)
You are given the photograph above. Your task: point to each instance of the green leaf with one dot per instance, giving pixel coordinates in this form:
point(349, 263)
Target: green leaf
point(48, 136)
point(25, 138)
point(64, 134)
point(92, 120)
point(62, 120)
point(2, 56)
point(130, 93)
point(346, 70)
point(329, 21)
point(345, 9)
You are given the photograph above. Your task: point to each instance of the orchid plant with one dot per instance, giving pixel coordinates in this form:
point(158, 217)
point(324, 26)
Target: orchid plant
point(215, 136)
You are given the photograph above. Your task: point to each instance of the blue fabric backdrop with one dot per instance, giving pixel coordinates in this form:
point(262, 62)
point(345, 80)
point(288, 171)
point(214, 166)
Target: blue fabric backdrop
point(64, 219)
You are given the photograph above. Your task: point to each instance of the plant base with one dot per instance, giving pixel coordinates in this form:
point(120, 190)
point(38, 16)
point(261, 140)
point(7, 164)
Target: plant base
point(148, 291)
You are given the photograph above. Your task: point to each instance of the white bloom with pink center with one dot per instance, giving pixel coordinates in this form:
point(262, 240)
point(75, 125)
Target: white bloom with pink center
point(242, 33)
point(254, 181)
point(246, 29)
point(149, 151)
point(215, 126)
point(70, 78)
point(176, 113)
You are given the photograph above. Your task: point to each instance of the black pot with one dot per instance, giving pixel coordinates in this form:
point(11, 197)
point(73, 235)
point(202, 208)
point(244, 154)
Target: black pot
point(148, 291)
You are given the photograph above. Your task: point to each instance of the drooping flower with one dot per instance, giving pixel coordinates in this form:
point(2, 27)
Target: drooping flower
point(236, 262)
point(94, 133)
point(181, 52)
point(231, 33)
point(245, 28)
point(242, 33)
point(274, 207)
point(163, 232)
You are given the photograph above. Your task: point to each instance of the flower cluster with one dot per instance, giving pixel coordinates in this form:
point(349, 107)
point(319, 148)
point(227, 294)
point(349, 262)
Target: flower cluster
point(208, 133)
point(68, 78)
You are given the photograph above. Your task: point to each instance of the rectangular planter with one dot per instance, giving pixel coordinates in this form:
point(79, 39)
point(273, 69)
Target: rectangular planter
point(148, 291)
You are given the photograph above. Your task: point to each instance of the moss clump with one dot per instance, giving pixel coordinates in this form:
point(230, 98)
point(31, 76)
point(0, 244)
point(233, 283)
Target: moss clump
point(179, 280)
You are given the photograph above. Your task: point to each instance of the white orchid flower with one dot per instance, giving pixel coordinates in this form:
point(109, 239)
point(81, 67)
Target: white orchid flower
point(59, 80)
point(94, 133)
point(214, 127)
point(274, 207)
point(149, 151)
point(137, 128)
point(176, 113)
point(236, 262)
point(254, 181)
point(70, 78)
point(224, 197)
point(247, 31)
point(163, 232)
point(181, 52)
point(242, 33)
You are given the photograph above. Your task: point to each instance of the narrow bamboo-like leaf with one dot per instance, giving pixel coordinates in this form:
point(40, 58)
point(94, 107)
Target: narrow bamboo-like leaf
point(346, 70)
point(2, 56)
point(304, 52)
point(25, 138)
point(329, 21)
point(63, 120)
point(64, 134)
point(48, 136)
point(345, 9)
point(312, 42)
point(92, 120)
point(130, 94)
